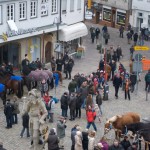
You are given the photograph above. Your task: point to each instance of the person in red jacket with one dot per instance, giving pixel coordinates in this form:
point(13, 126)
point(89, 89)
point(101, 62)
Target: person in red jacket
point(91, 115)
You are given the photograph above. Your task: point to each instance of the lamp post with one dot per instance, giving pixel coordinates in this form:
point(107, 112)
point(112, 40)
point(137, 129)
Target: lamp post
point(57, 22)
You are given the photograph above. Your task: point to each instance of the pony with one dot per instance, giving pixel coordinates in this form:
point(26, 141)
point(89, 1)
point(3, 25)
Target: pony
point(13, 85)
point(145, 133)
point(118, 122)
point(135, 127)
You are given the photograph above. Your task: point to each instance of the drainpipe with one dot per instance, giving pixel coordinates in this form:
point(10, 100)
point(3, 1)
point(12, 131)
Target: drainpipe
point(60, 11)
point(43, 48)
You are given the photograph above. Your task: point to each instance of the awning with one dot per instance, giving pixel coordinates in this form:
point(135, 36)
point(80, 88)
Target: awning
point(12, 25)
point(73, 32)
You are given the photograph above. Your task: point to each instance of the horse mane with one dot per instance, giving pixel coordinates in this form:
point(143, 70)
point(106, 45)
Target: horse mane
point(113, 119)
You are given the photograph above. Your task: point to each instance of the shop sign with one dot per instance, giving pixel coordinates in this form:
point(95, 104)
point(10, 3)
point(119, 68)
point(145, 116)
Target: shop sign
point(20, 32)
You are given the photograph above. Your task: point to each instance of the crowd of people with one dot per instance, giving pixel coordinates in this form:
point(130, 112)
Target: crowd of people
point(85, 93)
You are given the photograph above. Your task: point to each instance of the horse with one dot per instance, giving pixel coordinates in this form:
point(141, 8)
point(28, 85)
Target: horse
point(134, 127)
point(145, 133)
point(118, 122)
point(3, 93)
point(14, 85)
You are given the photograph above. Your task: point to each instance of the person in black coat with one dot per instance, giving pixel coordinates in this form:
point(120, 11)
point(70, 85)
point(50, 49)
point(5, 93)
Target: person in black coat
point(117, 82)
point(97, 32)
point(85, 140)
point(69, 67)
point(125, 143)
point(114, 57)
point(25, 124)
point(53, 141)
point(72, 106)
point(78, 105)
point(113, 68)
point(135, 38)
point(99, 101)
point(101, 65)
point(8, 111)
point(59, 63)
point(1, 146)
point(64, 103)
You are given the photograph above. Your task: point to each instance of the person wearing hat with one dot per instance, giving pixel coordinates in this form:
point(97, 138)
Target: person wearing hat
point(8, 111)
point(16, 110)
point(61, 127)
point(53, 141)
point(125, 142)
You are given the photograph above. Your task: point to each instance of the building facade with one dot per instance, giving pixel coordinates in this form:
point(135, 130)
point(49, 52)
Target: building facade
point(140, 17)
point(111, 12)
point(31, 27)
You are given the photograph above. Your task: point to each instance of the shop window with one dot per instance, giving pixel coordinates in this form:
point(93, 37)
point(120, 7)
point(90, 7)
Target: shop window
point(121, 18)
point(11, 12)
point(0, 14)
point(64, 6)
point(22, 10)
point(71, 5)
point(107, 14)
point(33, 9)
point(54, 6)
point(79, 5)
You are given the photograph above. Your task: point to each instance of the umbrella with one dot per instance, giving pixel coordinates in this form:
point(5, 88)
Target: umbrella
point(34, 75)
point(42, 75)
point(50, 74)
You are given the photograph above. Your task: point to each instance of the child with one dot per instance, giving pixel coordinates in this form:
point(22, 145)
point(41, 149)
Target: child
point(97, 110)
point(25, 123)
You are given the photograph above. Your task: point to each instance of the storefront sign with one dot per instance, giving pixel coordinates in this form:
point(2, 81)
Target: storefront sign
point(20, 32)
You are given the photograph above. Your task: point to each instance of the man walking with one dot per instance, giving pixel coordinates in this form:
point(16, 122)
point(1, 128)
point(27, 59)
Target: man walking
point(121, 29)
point(119, 53)
point(117, 82)
point(69, 67)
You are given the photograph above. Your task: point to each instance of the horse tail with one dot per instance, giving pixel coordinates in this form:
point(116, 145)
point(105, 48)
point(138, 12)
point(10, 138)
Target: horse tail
point(19, 90)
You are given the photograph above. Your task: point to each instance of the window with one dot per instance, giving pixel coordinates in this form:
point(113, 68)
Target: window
point(22, 10)
point(33, 7)
point(0, 14)
point(106, 14)
point(71, 5)
point(121, 18)
point(54, 6)
point(11, 12)
point(79, 5)
point(64, 6)
point(44, 1)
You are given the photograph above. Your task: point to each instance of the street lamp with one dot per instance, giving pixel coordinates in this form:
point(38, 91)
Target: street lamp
point(57, 23)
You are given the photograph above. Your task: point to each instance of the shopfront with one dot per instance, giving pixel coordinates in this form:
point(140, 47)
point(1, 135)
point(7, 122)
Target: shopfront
point(10, 53)
point(121, 17)
point(107, 14)
point(71, 37)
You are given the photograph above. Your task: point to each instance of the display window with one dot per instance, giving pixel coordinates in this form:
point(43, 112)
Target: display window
point(121, 18)
point(107, 14)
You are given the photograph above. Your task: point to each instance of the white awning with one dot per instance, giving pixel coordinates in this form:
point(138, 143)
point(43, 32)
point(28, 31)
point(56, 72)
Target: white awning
point(73, 32)
point(12, 25)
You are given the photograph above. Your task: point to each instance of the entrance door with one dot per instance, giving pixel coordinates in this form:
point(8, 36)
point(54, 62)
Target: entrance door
point(48, 53)
point(113, 20)
point(10, 53)
point(97, 17)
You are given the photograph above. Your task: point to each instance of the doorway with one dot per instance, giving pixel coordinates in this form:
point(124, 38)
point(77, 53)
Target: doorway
point(48, 52)
point(10, 53)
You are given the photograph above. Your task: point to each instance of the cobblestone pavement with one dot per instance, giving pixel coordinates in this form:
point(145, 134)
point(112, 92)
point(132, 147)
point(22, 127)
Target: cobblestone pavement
point(87, 64)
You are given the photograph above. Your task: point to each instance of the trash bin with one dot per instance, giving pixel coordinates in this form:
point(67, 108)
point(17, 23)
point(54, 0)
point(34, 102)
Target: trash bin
point(106, 91)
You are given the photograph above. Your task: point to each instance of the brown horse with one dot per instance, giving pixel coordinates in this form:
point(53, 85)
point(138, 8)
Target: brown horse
point(15, 86)
point(118, 122)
